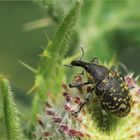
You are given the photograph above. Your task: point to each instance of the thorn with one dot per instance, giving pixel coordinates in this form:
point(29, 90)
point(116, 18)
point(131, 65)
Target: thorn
point(136, 79)
point(45, 53)
point(124, 67)
point(47, 36)
point(131, 75)
point(27, 66)
point(36, 24)
point(105, 63)
point(31, 90)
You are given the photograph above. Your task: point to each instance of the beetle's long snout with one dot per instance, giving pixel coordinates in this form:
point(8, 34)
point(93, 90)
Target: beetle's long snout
point(80, 63)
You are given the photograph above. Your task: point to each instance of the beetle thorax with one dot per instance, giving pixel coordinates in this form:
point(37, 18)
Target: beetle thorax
point(97, 72)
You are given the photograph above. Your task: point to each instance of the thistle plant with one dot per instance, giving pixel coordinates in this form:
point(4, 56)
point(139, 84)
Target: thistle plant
point(11, 113)
point(50, 66)
point(54, 102)
point(57, 121)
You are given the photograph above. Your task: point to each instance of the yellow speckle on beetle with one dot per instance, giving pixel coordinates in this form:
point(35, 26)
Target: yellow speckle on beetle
point(107, 103)
point(124, 100)
point(110, 74)
point(119, 100)
point(121, 78)
point(105, 81)
point(114, 90)
point(118, 74)
point(110, 106)
point(113, 106)
point(126, 87)
point(122, 85)
point(127, 97)
point(103, 103)
point(123, 89)
point(122, 106)
point(111, 94)
point(115, 98)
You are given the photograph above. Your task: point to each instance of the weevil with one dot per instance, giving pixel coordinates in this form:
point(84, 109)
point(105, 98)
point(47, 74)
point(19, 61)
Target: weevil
point(109, 86)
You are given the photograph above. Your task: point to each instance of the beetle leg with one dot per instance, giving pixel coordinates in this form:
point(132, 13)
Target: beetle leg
point(76, 112)
point(78, 84)
point(104, 126)
point(82, 50)
point(113, 68)
point(95, 60)
point(87, 100)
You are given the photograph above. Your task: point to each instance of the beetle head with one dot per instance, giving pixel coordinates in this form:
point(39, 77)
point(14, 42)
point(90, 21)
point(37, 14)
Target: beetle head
point(80, 63)
point(98, 72)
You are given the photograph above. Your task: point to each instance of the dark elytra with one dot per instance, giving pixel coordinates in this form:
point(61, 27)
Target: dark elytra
point(110, 87)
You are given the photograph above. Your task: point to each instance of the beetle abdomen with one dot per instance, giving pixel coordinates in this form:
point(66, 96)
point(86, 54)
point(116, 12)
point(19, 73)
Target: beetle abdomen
point(114, 95)
point(117, 103)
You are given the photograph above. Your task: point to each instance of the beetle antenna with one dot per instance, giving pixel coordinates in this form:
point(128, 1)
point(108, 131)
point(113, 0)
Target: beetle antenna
point(82, 50)
point(71, 66)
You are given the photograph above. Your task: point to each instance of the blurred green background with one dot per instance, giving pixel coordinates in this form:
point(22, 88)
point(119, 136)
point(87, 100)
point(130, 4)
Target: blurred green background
point(106, 28)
